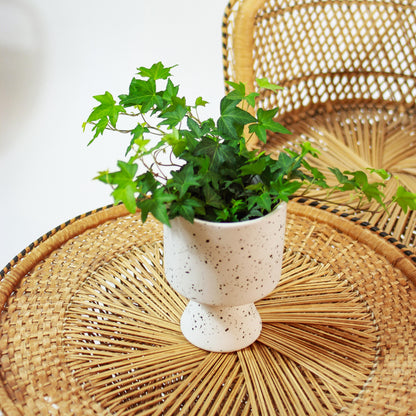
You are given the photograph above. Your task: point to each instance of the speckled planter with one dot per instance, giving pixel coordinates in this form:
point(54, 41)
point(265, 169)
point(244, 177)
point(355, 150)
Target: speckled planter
point(223, 268)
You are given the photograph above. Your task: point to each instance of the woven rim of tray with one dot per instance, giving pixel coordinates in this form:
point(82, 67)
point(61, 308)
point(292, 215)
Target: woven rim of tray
point(63, 359)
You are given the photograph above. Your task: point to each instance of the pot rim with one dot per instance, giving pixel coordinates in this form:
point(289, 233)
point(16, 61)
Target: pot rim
point(278, 207)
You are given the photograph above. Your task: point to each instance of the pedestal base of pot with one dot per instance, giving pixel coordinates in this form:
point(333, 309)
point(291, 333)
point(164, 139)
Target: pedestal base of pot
point(221, 328)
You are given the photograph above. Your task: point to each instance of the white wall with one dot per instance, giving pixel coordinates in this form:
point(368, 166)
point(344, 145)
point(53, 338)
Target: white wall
point(54, 56)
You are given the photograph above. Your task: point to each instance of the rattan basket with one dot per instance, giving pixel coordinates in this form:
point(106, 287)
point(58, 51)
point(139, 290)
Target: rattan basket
point(89, 326)
point(349, 72)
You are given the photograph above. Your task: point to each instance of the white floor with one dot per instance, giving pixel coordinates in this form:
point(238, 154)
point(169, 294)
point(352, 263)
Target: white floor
point(54, 56)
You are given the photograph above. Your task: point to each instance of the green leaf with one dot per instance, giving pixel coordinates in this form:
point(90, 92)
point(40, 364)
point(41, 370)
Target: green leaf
point(239, 88)
point(218, 153)
point(259, 130)
point(405, 199)
point(380, 172)
point(107, 111)
point(184, 179)
point(156, 71)
point(239, 93)
point(143, 94)
point(157, 205)
point(194, 127)
point(255, 168)
point(342, 179)
point(262, 201)
point(200, 102)
point(186, 208)
point(170, 92)
point(266, 122)
point(251, 98)
point(137, 139)
point(125, 194)
point(212, 198)
point(125, 184)
point(284, 190)
point(175, 141)
point(174, 114)
point(233, 119)
point(264, 83)
point(99, 128)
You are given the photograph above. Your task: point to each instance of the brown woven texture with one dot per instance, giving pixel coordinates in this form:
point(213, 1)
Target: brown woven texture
point(349, 72)
point(89, 326)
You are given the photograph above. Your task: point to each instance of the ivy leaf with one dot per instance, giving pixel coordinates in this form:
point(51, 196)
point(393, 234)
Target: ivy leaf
point(156, 71)
point(251, 98)
point(171, 91)
point(285, 166)
point(142, 93)
point(266, 122)
point(262, 201)
point(218, 153)
point(264, 83)
point(125, 184)
point(137, 139)
point(207, 126)
point(405, 199)
point(307, 149)
point(156, 204)
point(255, 168)
point(318, 178)
point(175, 113)
point(200, 102)
point(175, 141)
point(186, 208)
point(284, 190)
point(380, 172)
point(125, 194)
point(239, 93)
point(99, 128)
point(212, 198)
point(233, 119)
point(194, 127)
point(239, 89)
point(343, 179)
point(184, 179)
point(107, 111)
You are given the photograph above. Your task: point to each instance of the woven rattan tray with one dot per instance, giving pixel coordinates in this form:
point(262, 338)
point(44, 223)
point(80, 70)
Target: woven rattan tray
point(90, 327)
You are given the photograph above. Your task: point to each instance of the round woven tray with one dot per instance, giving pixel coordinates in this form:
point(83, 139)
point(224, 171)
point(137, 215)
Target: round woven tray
point(90, 327)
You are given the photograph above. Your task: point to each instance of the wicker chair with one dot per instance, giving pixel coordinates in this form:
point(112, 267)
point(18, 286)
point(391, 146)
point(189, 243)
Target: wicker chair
point(349, 72)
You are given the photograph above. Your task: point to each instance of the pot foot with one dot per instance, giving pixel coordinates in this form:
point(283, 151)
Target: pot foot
point(221, 328)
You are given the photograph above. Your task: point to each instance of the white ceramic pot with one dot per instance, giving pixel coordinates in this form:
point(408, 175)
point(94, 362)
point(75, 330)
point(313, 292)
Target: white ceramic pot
point(223, 268)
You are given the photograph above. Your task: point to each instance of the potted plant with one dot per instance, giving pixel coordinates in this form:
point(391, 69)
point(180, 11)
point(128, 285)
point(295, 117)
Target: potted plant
point(223, 206)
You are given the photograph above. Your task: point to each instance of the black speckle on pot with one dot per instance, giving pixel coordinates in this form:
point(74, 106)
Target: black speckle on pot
point(227, 329)
point(207, 241)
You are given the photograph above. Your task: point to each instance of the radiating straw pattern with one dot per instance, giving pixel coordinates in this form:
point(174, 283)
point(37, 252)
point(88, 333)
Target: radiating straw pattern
point(318, 345)
point(90, 326)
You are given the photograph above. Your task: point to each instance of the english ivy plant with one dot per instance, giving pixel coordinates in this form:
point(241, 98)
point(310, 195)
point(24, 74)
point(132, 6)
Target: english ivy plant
point(179, 165)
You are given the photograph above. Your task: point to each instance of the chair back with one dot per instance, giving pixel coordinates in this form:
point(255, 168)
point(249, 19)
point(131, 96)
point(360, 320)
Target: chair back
point(325, 52)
